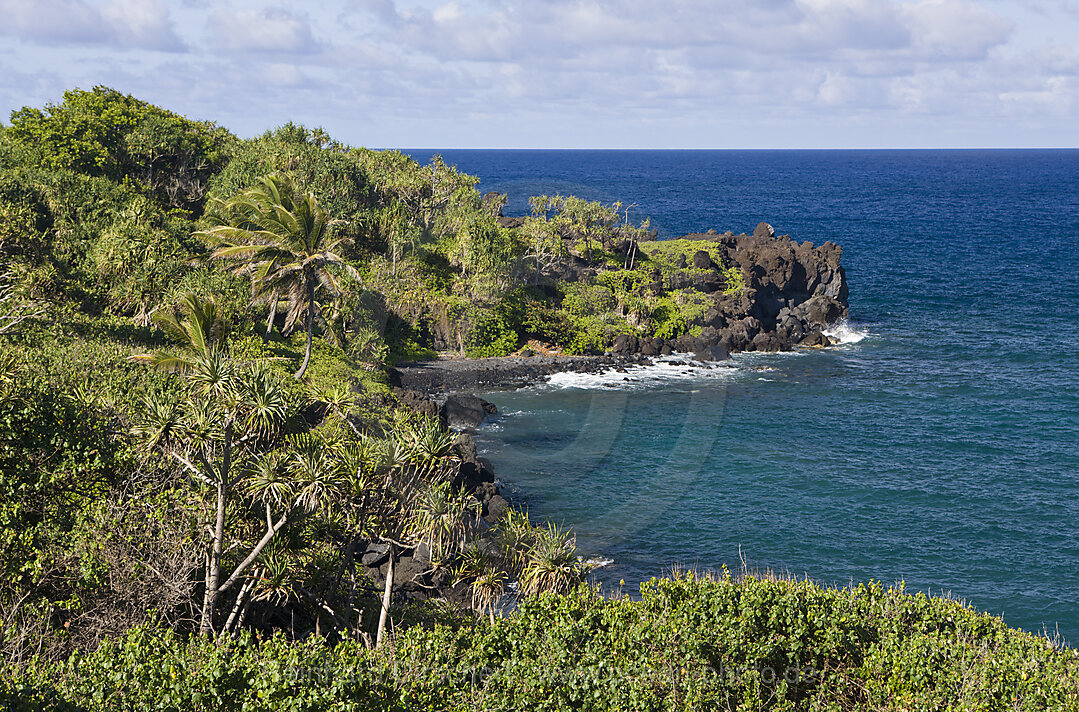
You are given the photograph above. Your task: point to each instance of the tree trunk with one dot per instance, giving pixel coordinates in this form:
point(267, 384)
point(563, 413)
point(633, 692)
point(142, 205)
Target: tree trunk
point(385, 600)
point(310, 326)
point(206, 625)
point(234, 620)
point(271, 319)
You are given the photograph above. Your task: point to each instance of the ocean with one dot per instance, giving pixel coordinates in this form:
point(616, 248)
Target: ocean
point(938, 445)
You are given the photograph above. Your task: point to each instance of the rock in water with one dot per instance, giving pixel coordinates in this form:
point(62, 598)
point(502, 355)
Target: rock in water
point(712, 353)
point(496, 507)
point(463, 412)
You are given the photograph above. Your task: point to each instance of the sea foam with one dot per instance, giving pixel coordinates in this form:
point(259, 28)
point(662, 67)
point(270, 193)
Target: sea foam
point(661, 373)
point(844, 333)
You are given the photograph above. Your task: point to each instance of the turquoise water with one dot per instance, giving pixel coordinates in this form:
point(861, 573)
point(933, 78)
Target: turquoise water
point(942, 448)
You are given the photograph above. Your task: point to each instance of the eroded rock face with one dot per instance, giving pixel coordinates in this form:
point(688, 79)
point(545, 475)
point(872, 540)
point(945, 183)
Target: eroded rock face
point(793, 292)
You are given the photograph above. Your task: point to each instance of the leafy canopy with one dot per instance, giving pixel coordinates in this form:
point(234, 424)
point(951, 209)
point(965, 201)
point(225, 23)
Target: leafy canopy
point(103, 132)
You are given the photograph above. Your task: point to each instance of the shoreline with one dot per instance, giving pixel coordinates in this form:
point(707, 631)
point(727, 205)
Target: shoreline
point(439, 378)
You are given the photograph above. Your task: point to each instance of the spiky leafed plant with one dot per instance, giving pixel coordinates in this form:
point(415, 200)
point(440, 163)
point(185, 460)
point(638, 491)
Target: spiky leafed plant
point(275, 579)
point(514, 535)
point(418, 451)
point(488, 581)
point(315, 471)
point(228, 416)
point(284, 241)
point(336, 399)
point(362, 459)
point(551, 564)
point(443, 519)
point(425, 444)
point(226, 435)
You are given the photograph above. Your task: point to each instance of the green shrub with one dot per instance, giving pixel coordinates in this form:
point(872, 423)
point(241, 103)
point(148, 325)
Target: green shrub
point(588, 300)
point(688, 643)
point(491, 336)
point(543, 321)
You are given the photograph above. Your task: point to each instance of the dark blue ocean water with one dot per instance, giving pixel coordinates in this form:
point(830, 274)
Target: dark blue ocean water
point(941, 449)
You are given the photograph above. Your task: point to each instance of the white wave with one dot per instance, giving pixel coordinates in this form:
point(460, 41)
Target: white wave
point(844, 333)
point(663, 372)
point(596, 562)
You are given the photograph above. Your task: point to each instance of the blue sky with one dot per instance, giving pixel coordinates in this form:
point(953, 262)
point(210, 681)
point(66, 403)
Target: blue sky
point(573, 73)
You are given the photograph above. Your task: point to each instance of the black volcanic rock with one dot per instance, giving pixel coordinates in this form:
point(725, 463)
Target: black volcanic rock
point(791, 290)
point(702, 260)
point(712, 353)
point(463, 412)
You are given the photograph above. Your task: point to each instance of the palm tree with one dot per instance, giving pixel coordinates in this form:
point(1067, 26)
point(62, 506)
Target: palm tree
point(198, 328)
point(285, 243)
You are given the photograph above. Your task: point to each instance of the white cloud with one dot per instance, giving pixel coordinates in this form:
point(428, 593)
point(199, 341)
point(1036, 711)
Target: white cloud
point(561, 72)
point(142, 23)
point(129, 24)
point(956, 29)
point(52, 21)
point(266, 30)
point(563, 29)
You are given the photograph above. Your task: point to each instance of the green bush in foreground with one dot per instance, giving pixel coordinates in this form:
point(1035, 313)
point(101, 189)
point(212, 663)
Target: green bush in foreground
point(689, 643)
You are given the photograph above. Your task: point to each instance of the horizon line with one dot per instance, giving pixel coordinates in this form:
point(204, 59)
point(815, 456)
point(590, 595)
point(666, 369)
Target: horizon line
point(847, 148)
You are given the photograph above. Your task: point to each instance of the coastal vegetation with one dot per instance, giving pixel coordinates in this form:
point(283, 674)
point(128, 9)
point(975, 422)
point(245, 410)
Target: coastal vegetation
point(213, 497)
point(689, 643)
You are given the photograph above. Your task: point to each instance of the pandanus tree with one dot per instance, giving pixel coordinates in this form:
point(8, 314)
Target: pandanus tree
point(284, 241)
point(404, 502)
point(551, 563)
point(486, 578)
point(228, 435)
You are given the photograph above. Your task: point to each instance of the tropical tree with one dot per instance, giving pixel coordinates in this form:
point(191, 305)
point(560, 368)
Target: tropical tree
point(443, 519)
point(228, 435)
point(285, 242)
point(388, 498)
point(418, 202)
point(102, 132)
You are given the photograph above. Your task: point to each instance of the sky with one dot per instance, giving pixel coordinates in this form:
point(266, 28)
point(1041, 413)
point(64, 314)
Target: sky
point(573, 73)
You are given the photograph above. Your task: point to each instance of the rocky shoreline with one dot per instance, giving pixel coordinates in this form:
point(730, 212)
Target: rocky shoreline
point(792, 293)
point(444, 376)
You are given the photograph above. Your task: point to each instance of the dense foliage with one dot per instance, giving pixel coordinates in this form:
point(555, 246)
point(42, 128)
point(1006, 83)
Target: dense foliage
point(199, 448)
point(105, 133)
point(687, 644)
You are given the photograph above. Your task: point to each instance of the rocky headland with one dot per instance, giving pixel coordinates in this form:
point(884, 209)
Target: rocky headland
point(792, 293)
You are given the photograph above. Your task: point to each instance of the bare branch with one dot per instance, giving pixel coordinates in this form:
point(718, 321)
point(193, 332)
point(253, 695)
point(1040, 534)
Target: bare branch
point(270, 532)
point(192, 469)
